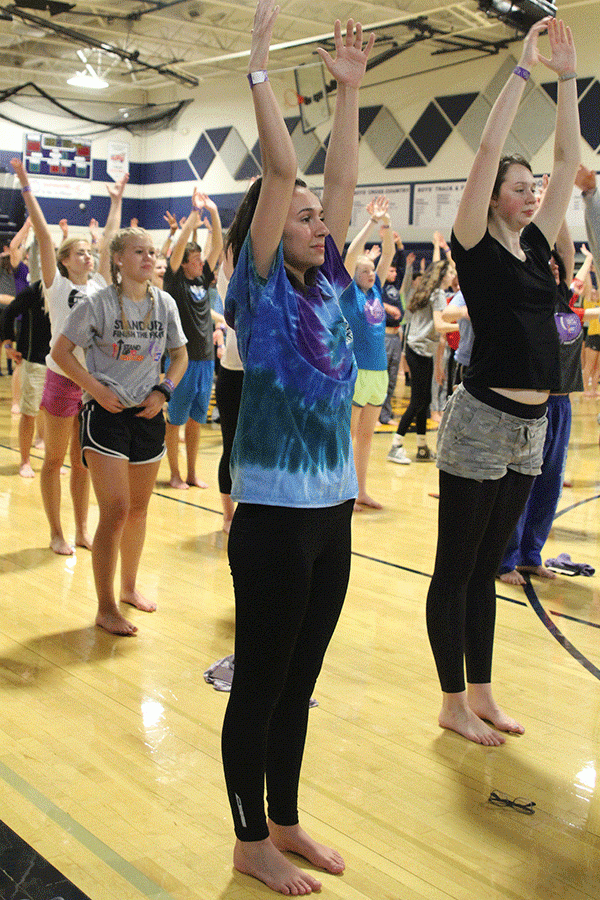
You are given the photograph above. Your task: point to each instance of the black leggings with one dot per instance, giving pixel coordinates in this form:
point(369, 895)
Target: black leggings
point(228, 394)
point(421, 375)
point(290, 572)
point(476, 520)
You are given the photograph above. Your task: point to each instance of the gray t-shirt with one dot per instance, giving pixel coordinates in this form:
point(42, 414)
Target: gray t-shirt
point(124, 344)
point(422, 336)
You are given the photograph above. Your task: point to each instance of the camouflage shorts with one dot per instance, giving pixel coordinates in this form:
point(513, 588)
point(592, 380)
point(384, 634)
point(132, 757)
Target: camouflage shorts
point(479, 442)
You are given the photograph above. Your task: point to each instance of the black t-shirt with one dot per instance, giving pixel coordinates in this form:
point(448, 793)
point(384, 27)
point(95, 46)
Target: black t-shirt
point(193, 303)
point(511, 306)
point(33, 339)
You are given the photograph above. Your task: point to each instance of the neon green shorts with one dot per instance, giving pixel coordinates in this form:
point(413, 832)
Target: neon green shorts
point(371, 388)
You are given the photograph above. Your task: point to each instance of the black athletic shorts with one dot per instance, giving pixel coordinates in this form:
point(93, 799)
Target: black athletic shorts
point(121, 435)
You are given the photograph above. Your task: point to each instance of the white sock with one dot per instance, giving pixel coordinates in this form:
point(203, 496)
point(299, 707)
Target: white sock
point(397, 440)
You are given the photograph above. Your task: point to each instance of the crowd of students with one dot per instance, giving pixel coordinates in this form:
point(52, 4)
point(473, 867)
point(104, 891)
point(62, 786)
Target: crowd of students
point(113, 333)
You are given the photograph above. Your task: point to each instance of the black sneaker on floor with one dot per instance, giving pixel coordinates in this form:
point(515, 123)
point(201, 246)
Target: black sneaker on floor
point(424, 454)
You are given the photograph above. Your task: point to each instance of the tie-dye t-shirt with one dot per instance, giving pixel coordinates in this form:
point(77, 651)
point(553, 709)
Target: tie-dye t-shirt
point(366, 317)
point(292, 444)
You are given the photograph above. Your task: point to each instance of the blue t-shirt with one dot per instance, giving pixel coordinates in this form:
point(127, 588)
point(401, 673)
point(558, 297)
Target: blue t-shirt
point(292, 444)
point(366, 317)
point(465, 329)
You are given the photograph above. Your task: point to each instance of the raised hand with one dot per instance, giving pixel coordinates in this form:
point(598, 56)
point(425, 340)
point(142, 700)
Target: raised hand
point(380, 208)
point(585, 179)
point(20, 172)
point(170, 218)
point(115, 189)
point(564, 57)
point(64, 227)
point(262, 31)
point(94, 231)
point(348, 67)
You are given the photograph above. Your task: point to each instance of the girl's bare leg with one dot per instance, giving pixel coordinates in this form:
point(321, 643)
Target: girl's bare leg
point(110, 478)
point(228, 511)
point(172, 444)
point(363, 424)
point(26, 429)
point(16, 379)
point(57, 432)
point(192, 443)
point(142, 479)
point(80, 490)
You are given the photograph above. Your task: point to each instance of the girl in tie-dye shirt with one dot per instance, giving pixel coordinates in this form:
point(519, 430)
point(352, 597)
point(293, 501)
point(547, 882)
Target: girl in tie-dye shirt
point(293, 475)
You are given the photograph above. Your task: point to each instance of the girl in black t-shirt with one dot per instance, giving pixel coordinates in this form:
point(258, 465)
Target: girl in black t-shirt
point(491, 437)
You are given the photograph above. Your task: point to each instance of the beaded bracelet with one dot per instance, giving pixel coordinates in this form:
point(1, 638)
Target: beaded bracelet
point(566, 76)
point(25, 188)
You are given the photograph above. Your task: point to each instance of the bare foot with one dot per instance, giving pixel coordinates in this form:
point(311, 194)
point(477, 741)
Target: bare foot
point(194, 481)
point(293, 839)
point(115, 623)
point(365, 500)
point(464, 721)
point(38, 444)
point(262, 860)
point(64, 470)
point(83, 539)
point(178, 483)
point(134, 598)
point(513, 577)
point(60, 546)
point(25, 470)
point(540, 571)
point(483, 705)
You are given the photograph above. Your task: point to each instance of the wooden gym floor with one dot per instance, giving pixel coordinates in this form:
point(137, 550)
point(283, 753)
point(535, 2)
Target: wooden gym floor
point(109, 747)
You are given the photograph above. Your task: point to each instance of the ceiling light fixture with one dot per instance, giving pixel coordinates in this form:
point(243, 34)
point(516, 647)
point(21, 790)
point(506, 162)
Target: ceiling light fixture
point(85, 80)
point(521, 14)
point(89, 78)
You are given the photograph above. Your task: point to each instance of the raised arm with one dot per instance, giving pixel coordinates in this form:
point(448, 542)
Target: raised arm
point(472, 216)
point(39, 225)
point(276, 147)
point(166, 247)
point(190, 225)
point(17, 245)
point(566, 249)
point(583, 271)
point(408, 277)
point(341, 163)
point(113, 223)
point(216, 233)
point(376, 209)
point(567, 144)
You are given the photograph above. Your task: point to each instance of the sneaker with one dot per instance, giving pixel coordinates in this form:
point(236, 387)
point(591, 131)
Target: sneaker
point(398, 455)
point(424, 454)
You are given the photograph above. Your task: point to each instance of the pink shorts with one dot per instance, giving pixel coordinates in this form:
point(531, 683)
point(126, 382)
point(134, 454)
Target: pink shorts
point(61, 397)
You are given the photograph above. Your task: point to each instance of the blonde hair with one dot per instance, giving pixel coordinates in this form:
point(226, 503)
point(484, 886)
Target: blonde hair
point(65, 249)
point(362, 259)
point(117, 245)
